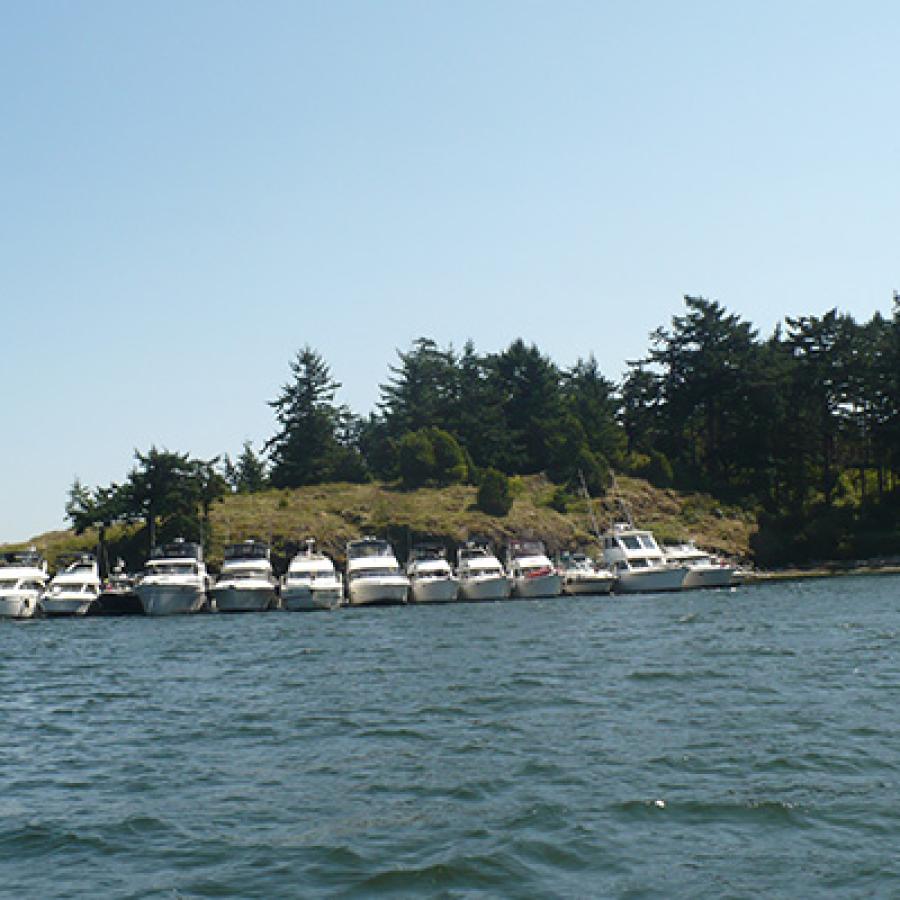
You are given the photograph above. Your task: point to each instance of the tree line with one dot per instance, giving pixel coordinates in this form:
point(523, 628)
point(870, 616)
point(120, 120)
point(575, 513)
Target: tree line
point(802, 427)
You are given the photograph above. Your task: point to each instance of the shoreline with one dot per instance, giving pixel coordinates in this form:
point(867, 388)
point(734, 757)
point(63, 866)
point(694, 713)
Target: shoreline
point(826, 570)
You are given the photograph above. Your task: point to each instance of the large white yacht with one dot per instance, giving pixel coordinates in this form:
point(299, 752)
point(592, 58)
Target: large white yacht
point(430, 577)
point(481, 577)
point(246, 582)
point(638, 563)
point(530, 569)
point(703, 569)
point(174, 581)
point(311, 581)
point(23, 577)
point(74, 588)
point(373, 574)
point(581, 575)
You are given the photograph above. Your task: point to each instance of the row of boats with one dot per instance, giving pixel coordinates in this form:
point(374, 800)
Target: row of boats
point(176, 581)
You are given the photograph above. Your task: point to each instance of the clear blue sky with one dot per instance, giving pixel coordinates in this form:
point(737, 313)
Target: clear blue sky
point(192, 191)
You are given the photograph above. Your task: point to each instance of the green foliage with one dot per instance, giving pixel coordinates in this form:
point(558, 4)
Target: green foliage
point(559, 500)
point(311, 446)
point(654, 466)
point(494, 495)
point(248, 474)
point(449, 460)
point(430, 455)
point(415, 458)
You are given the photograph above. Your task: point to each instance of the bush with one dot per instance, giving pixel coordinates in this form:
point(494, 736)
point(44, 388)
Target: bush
point(494, 495)
point(560, 500)
point(449, 460)
point(654, 466)
point(415, 458)
point(430, 454)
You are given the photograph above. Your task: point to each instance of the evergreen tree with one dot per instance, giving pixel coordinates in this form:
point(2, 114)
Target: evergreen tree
point(529, 385)
point(248, 474)
point(422, 390)
point(306, 449)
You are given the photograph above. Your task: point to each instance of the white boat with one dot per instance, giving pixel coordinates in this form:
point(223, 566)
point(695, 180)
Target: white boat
point(481, 577)
point(430, 577)
point(638, 563)
point(703, 569)
point(530, 570)
point(374, 576)
point(311, 582)
point(246, 582)
point(174, 581)
point(74, 588)
point(581, 575)
point(23, 577)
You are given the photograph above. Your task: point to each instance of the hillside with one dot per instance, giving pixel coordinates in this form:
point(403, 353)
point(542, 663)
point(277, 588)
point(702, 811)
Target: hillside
point(335, 513)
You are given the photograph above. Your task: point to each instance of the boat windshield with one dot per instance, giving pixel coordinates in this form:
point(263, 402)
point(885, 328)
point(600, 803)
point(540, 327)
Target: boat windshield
point(375, 573)
point(173, 569)
point(630, 542)
point(8, 583)
point(527, 548)
point(647, 542)
point(369, 548)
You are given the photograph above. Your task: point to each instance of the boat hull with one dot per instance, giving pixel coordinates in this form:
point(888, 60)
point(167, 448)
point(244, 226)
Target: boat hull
point(170, 600)
point(650, 581)
point(710, 576)
point(539, 586)
point(312, 600)
point(243, 599)
point(378, 592)
point(433, 590)
point(589, 584)
point(491, 588)
point(18, 607)
point(117, 603)
point(64, 606)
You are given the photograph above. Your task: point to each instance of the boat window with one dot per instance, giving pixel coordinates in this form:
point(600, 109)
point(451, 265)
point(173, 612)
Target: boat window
point(639, 563)
point(648, 542)
point(8, 583)
point(630, 542)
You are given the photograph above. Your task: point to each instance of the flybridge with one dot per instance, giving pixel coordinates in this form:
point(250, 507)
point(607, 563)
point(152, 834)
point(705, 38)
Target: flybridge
point(178, 549)
point(247, 550)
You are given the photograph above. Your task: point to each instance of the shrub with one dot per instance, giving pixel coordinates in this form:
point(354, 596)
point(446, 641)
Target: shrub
point(449, 459)
point(494, 495)
point(415, 458)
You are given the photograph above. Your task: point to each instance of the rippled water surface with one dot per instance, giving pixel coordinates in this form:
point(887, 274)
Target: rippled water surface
point(726, 743)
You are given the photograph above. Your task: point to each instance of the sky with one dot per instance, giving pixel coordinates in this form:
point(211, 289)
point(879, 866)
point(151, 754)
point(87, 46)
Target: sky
point(190, 192)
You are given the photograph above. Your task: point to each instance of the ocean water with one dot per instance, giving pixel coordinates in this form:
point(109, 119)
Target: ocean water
point(736, 743)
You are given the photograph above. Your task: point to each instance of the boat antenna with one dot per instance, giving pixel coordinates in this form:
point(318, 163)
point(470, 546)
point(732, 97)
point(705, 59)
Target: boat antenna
point(590, 504)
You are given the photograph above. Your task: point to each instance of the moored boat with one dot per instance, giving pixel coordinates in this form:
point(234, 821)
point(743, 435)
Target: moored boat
point(430, 577)
point(311, 582)
point(480, 574)
point(174, 581)
point(374, 576)
point(75, 587)
point(117, 595)
point(246, 582)
point(581, 575)
point(23, 577)
point(531, 571)
point(638, 563)
point(703, 569)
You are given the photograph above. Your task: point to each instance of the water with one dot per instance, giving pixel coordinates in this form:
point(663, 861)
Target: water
point(728, 743)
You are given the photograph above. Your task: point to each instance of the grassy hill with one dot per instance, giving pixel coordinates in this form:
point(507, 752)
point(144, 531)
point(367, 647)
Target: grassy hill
point(336, 513)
